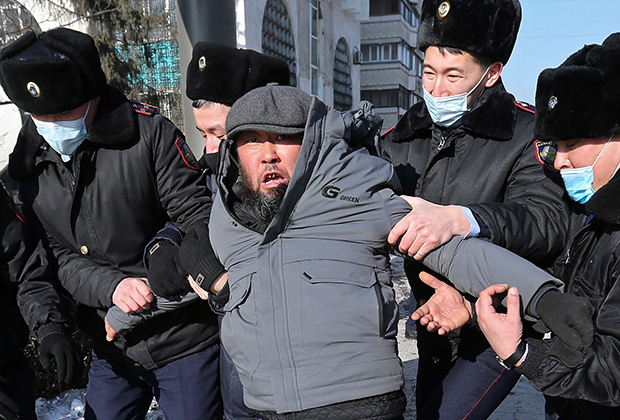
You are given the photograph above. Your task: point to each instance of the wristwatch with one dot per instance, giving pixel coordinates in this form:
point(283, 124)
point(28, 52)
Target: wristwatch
point(514, 358)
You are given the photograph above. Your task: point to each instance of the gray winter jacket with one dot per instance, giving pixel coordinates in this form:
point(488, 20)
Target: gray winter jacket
point(312, 318)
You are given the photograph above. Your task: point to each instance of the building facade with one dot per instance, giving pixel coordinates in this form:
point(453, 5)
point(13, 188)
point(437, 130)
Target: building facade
point(317, 38)
point(339, 50)
point(391, 69)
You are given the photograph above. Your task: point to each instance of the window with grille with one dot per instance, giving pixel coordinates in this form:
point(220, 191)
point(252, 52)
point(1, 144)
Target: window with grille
point(277, 37)
point(343, 99)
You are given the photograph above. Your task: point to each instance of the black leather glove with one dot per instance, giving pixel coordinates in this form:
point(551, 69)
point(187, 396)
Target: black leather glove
point(166, 276)
point(9, 410)
point(61, 348)
point(362, 127)
point(569, 317)
point(198, 258)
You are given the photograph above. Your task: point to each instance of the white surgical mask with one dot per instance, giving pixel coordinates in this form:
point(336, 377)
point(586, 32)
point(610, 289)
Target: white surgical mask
point(63, 136)
point(448, 110)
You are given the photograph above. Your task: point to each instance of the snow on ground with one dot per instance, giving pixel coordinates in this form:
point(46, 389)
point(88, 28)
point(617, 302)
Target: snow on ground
point(69, 405)
point(523, 403)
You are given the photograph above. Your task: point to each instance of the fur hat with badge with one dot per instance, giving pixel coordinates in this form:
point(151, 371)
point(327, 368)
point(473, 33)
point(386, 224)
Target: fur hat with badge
point(579, 99)
point(221, 73)
point(485, 27)
point(55, 71)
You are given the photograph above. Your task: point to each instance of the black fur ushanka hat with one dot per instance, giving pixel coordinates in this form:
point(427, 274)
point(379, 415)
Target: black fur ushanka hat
point(55, 71)
point(485, 27)
point(221, 73)
point(579, 99)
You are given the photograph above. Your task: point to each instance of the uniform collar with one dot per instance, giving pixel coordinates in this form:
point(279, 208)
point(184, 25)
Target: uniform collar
point(493, 116)
point(115, 124)
point(604, 204)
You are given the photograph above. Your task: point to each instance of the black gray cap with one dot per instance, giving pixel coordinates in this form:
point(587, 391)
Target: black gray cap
point(273, 109)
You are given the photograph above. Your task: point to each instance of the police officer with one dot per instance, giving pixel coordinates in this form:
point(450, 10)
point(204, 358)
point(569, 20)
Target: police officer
point(217, 76)
point(467, 156)
point(577, 107)
point(27, 285)
point(101, 175)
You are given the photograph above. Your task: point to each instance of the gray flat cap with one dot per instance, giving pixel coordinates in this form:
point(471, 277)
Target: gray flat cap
point(273, 109)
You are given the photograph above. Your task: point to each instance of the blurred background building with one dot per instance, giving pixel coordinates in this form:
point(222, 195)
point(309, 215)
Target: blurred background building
point(339, 50)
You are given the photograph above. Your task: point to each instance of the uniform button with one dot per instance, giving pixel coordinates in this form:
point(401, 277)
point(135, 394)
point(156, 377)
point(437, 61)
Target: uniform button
point(84, 249)
point(436, 359)
point(421, 302)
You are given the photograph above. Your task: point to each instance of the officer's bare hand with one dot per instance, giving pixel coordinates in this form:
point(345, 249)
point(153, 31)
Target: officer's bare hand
point(132, 295)
point(427, 227)
point(445, 311)
point(503, 330)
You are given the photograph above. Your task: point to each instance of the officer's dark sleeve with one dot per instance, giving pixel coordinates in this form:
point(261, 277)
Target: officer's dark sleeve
point(596, 377)
point(27, 264)
point(181, 185)
point(532, 220)
point(88, 283)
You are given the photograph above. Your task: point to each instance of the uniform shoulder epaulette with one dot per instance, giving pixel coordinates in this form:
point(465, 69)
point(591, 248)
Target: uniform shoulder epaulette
point(526, 106)
point(142, 108)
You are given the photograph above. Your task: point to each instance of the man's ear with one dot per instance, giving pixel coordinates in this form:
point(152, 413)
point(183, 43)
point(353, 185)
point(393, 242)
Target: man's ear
point(495, 70)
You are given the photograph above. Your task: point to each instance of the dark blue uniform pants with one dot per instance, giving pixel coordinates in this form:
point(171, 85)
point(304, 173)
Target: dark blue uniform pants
point(470, 388)
point(185, 389)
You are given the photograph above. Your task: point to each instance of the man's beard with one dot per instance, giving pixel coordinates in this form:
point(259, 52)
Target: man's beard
point(265, 206)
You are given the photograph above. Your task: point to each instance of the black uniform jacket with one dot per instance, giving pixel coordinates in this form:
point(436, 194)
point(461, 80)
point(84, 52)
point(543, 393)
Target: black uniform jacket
point(132, 174)
point(27, 282)
point(488, 164)
point(590, 268)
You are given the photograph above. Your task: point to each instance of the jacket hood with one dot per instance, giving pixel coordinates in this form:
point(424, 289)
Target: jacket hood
point(604, 204)
point(114, 124)
point(494, 116)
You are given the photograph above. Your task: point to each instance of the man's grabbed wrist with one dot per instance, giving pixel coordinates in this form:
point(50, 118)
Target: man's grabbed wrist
point(515, 358)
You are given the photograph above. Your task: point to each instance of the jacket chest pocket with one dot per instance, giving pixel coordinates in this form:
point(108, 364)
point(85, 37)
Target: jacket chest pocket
point(239, 283)
point(239, 331)
point(343, 309)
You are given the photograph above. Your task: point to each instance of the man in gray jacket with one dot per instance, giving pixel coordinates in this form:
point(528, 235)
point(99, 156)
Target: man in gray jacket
point(301, 221)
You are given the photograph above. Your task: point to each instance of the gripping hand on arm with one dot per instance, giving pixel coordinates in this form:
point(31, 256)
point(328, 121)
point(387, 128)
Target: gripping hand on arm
point(427, 227)
point(569, 317)
point(197, 256)
point(502, 330)
point(132, 295)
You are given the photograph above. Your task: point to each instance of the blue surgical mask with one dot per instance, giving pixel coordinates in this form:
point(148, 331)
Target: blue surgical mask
point(63, 136)
point(448, 110)
point(578, 181)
